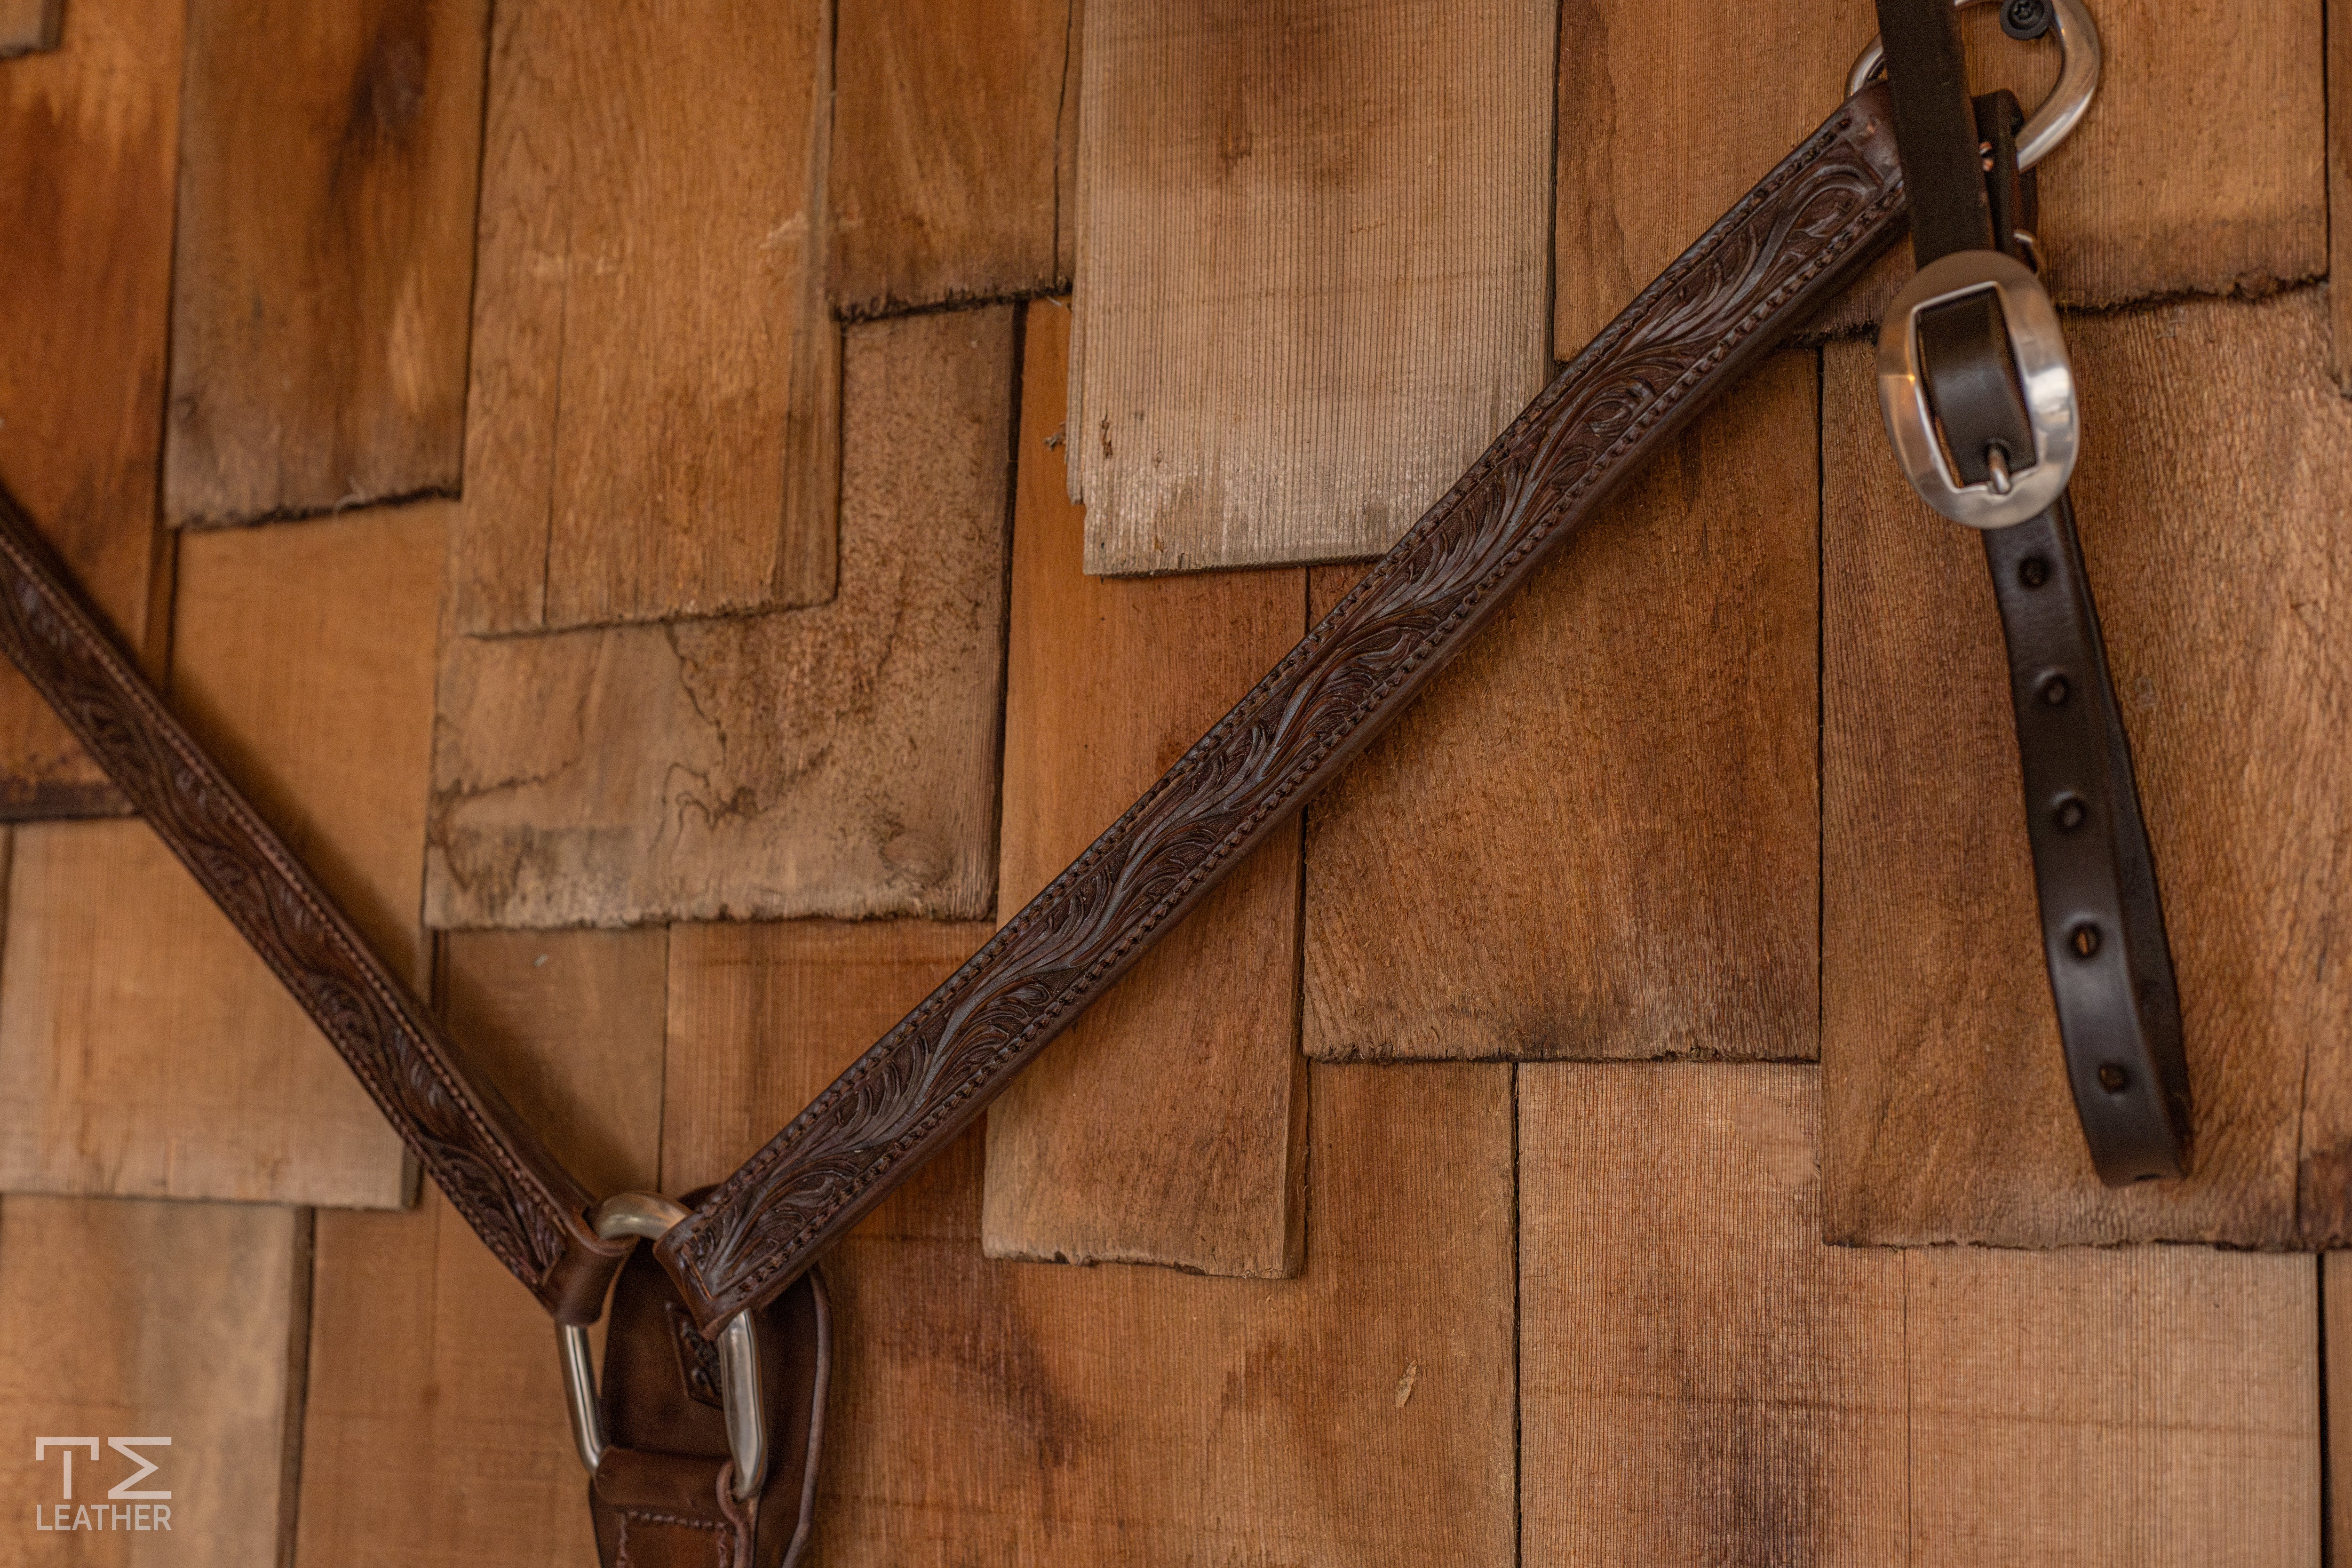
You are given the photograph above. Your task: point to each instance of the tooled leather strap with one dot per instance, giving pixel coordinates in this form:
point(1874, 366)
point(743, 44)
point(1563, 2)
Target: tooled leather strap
point(525, 1207)
point(1787, 245)
point(2104, 942)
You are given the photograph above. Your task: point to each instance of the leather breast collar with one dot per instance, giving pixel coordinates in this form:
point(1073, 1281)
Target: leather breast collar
point(703, 1439)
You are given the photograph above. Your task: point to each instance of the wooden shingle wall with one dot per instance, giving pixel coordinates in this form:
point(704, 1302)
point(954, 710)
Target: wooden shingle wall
point(601, 477)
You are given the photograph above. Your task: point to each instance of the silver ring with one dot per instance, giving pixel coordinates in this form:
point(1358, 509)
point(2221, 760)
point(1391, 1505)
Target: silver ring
point(650, 1216)
point(2078, 79)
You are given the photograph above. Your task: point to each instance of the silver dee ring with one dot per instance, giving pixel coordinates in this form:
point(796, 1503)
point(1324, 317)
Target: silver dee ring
point(2078, 79)
point(650, 1215)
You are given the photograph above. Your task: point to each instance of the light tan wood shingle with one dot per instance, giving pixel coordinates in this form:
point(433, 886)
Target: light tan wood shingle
point(325, 267)
point(144, 1048)
point(1596, 835)
point(137, 1320)
point(1702, 1380)
point(839, 760)
point(1311, 269)
point(2339, 181)
point(946, 149)
point(2214, 543)
point(653, 426)
point(1167, 1125)
point(88, 144)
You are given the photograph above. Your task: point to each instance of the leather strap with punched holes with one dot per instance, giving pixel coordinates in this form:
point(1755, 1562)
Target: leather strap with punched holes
point(2109, 965)
point(666, 1491)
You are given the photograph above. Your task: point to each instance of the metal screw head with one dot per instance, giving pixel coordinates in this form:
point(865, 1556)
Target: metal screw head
point(2025, 19)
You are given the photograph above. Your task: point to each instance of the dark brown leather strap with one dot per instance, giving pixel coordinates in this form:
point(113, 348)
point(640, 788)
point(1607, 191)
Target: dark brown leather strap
point(2109, 965)
point(1787, 246)
point(525, 1207)
point(663, 1493)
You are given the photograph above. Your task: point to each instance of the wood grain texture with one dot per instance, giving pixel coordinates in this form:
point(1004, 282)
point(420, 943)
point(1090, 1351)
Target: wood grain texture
point(2198, 169)
point(2340, 184)
point(436, 1429)
point(527, 1209)
point(27, 27)
point(569, 1024)
point(760, 1012)
point(2335, 1330)
point(145, 1047)
point(1312, 269)
point(653, 430)
point(946, 137)
point(303, 659)
point(990, 1410)
point(130, 1319)
point(1692, 333)
point(1949, 1116)
point(89, 143)
point(835, 761)
point(325, 254)
point(1066, 151)
point(1168, 1126)
point(1702, 1380)
point(1603, 818)
point(1361, 1413)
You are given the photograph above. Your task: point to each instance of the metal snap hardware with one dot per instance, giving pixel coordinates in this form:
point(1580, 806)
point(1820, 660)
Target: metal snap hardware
point(2080, 57)
point(649, 1215)
point(2019, 489)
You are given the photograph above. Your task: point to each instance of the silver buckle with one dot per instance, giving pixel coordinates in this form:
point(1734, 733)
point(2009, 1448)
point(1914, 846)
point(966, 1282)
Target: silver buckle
point(2016, 491)
point(2079, 59)
point(650, 1215)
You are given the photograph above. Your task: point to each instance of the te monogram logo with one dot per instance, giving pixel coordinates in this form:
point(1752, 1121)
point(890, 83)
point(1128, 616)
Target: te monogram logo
point(143, 1510)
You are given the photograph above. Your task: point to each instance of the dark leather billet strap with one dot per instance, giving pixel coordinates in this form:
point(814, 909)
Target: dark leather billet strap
point(2102, 925)
point(2109, 965)
point(1928, 70)
point(525, 1207)
point(1786, 247)
point(662, 1496)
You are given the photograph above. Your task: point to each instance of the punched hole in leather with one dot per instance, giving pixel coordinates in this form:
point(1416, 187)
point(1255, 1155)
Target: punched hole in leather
point(2106, 952)
point(661, 1496)
point(2104, 947)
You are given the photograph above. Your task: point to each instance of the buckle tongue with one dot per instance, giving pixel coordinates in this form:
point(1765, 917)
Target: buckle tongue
point(2016, 485)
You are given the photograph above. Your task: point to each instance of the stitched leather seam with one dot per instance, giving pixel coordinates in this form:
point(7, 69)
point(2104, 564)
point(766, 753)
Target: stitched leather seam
point(1113, 840)
point(159, 726)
